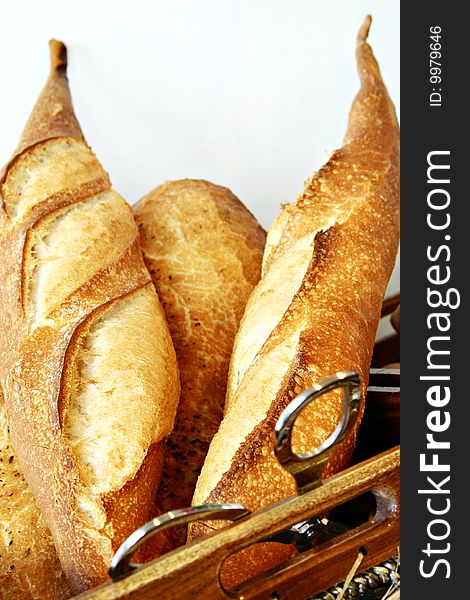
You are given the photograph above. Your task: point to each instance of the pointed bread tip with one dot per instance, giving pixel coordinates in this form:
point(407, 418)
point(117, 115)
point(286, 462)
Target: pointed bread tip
point(364, 30)
point(58, 56)
point(52, 115)
point(372, 114)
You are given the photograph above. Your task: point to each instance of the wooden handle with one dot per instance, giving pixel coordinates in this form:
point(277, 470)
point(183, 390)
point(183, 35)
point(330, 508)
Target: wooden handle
point(395, 319)
point(389, 305)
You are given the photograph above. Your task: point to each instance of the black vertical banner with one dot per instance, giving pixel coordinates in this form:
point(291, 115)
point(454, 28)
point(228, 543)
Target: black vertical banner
point(434, 285)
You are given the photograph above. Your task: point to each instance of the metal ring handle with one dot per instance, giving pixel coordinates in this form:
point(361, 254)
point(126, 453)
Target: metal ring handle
point(121, 565)
point(307, 468)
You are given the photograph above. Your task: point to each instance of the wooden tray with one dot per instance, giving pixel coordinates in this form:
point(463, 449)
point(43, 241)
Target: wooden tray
point(192, 572)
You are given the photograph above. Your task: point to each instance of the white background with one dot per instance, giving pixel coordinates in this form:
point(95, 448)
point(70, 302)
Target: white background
point(253, 95)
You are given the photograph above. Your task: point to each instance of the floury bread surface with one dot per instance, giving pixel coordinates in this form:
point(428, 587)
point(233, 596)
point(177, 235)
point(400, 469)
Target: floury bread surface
point(87, 365)
point(327, 262)
point(203, 249)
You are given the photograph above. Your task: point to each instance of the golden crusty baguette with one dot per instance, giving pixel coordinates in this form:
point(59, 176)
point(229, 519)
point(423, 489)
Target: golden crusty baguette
point(29, 567)
point(327, 262)
point(203, 249)
point(87, 365)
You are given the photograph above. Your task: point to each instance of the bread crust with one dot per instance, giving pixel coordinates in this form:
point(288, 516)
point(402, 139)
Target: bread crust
point(69, 341)
point(327, 262)
point(29, 566)
point(203, 249)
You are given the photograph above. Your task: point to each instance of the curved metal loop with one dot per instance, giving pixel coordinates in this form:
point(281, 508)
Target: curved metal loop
point(307, 468)
point(121, 565)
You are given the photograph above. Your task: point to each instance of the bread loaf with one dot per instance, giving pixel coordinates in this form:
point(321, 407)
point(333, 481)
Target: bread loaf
point(327, 261)
point(203, 249)
point(29, 567)
point(87, 364)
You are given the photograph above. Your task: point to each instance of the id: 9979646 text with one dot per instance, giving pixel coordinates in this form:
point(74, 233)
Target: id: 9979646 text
point(435, 66)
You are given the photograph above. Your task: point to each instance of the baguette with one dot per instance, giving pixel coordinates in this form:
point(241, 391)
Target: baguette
point(327, 261)
point(87, 366)
point(29, 567)
point(203, 249)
